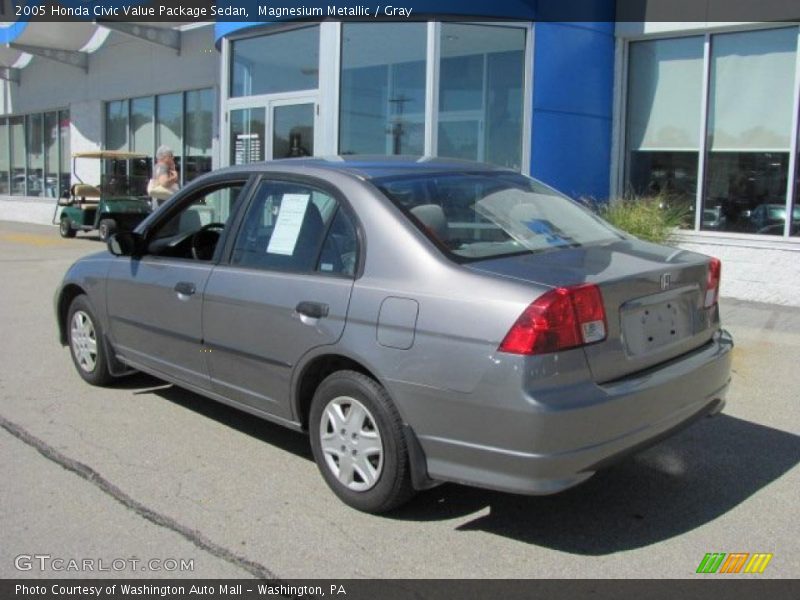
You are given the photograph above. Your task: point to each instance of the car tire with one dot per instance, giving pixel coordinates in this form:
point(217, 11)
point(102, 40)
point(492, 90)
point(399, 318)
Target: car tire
point(65, 228)
point(379, 479)
point(85, 340)
point(106, 228)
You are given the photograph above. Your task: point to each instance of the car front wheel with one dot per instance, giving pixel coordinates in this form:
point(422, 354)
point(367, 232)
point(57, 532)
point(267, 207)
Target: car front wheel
point(358, 443)
point(86, 343)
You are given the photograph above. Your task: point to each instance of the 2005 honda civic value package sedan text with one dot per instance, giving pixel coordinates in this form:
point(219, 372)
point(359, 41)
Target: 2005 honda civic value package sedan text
point(424, 320)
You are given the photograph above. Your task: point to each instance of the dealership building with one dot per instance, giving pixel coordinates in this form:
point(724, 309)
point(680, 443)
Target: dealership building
point(702, 114)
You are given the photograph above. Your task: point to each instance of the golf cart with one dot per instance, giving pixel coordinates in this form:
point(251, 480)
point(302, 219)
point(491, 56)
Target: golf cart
point(113, 206)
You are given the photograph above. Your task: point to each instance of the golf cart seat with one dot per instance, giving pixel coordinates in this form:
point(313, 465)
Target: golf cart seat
point(86, 192)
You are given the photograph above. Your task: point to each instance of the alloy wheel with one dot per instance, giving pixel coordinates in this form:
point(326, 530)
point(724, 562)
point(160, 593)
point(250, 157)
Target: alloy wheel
point(83, 341)
point(351, 443)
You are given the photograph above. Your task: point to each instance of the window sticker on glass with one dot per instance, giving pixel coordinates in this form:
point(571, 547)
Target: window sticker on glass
point(290, 220)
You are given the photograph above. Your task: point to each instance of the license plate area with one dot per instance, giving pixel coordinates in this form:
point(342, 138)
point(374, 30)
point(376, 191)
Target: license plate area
point(649, 327)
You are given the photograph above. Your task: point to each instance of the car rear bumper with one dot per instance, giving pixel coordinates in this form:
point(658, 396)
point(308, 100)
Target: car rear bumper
point(549, 448)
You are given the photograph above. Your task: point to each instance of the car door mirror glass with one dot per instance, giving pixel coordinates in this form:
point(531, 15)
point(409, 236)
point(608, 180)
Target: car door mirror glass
point(124, 243)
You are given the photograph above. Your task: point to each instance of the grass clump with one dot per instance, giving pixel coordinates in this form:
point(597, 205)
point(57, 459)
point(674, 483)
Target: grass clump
point(652, 218)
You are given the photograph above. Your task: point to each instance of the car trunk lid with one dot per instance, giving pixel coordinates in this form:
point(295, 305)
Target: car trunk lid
point(653, 298)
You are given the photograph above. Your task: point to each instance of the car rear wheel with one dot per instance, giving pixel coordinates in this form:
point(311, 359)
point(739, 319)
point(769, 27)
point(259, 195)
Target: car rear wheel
point(65, 228)
point(106, 228)
point(358, 443)
point(85, 337)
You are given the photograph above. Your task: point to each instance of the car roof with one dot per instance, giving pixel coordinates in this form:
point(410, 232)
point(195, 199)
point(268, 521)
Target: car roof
point(373, 167)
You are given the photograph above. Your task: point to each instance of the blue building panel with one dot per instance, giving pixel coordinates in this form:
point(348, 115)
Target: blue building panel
point(573, 81)
point(572, 153)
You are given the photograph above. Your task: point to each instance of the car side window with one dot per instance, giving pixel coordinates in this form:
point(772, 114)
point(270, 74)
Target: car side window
point(194, 231)
point(296, 228)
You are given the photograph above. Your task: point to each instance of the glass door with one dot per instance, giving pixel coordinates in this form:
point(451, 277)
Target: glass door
point(247, 133)
point(293, 127)
point(273, 128)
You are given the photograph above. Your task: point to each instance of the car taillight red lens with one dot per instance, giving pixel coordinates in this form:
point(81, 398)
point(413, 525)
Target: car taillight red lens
point(712, 283)
point(562, 318)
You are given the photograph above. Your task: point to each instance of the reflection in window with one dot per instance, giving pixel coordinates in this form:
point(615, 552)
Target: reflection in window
point(284, 229)
point(199, 132)
point(117, 125)
point(795, 227)
point(142, 140)
point(64, 150)
point(17, 125)
point(293, 131)
point(4, 156)
point(749, 129)
point(247, 135)
point(481, 91)
point(184, 121)
point(34, 154)
point(665, 80)
point(169, 124)
point(383, 88)
point(280, 62)
point(51, 163)
point(35, 148)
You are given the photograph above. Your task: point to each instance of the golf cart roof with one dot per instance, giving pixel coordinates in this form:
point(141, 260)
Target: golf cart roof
point(109, 155)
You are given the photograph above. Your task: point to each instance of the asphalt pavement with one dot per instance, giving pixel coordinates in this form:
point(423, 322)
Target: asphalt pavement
point(147, 480)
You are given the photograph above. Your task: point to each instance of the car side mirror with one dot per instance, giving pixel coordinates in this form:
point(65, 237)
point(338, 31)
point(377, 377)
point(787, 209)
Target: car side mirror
point(125, 243)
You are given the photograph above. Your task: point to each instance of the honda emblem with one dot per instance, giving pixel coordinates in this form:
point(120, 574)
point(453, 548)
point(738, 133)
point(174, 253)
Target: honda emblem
point(666, 280)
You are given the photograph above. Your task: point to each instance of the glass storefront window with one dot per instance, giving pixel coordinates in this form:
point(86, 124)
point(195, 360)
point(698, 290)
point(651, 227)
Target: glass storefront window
point(665, 81)
point(64, 149)
point(169, 124)
point(184, 121)
point(35, 154)
point(51, 163)
point(293, 131)
point(795, 226)
point(280, 62)
point(247, 135)
point(4, 156)
point(32, 162)
point(481, 92)
point(199, 132)
point(142, 130)
point(117, 125)
point(751, 91)
point(17, 125)
point(382, 106)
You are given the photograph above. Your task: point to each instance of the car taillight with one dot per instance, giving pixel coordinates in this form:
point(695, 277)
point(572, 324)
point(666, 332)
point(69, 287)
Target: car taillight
point(562, 318)
point(712, 283)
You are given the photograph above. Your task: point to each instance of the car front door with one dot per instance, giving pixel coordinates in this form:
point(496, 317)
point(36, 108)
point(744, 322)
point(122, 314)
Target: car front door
point(284, 291)
point(155, 300)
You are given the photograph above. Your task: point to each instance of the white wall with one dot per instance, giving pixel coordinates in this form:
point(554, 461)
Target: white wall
point(759, 271)
point(123, 67)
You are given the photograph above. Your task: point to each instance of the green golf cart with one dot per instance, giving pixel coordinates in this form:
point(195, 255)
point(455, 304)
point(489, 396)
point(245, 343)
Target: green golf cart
point(115, 205)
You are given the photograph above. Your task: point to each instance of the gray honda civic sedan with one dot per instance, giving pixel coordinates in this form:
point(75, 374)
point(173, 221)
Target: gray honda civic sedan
point(424, 320)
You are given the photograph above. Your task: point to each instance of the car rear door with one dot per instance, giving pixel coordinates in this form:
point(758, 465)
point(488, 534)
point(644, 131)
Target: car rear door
point(284, 291)
point(155, 301)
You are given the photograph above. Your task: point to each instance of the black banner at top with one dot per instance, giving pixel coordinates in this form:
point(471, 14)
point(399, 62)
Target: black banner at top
point(196, 11)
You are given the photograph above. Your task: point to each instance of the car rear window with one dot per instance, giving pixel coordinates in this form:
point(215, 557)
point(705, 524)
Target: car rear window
point(488, 215)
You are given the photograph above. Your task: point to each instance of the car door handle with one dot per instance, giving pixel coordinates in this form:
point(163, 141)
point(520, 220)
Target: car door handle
point(314, 310)
point(185, 288)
